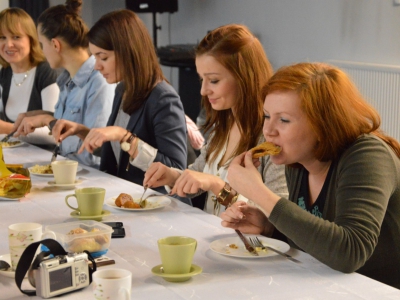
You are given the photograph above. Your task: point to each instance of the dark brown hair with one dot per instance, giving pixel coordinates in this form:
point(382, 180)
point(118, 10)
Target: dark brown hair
point(242, 54)
point(335, 109)
point(14, 20)
point(63, 21)
point(123, 32)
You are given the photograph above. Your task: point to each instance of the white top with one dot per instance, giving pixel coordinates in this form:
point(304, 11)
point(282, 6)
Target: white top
point(17, 104)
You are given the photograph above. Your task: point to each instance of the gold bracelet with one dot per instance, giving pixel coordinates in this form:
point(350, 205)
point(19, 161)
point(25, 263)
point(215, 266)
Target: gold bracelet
point(224, 192)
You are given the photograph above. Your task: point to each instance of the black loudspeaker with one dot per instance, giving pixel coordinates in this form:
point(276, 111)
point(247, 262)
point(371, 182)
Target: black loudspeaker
point(153, 6)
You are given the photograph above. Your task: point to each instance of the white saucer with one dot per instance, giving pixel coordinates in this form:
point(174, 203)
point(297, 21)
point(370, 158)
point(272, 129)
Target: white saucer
point(66, 185)
point(9, 273)
point(194, 270)
point(76, 215)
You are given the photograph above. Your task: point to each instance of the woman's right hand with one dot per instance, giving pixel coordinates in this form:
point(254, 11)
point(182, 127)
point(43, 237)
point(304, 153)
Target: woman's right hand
point(159, 175)
point(248, 219)
point(64, 128)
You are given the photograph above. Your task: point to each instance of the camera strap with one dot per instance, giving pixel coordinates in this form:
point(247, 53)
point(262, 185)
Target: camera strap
point(27, 256)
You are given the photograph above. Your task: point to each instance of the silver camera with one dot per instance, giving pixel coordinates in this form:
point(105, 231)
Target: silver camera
point(60, 274)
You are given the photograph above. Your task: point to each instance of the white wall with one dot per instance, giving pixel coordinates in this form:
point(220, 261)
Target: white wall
point(290, 30)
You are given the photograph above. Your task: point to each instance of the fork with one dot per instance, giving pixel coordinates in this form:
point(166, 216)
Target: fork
point(7, 137)
point(257, 243)
point(142, 202)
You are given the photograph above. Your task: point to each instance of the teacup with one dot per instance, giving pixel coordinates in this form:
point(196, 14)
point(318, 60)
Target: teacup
point(113, 284)
point(90, 201)
point(20, 236)
point(64, 171)
point(176, 253)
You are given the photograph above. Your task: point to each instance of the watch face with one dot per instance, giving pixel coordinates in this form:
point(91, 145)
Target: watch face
point(125, 146)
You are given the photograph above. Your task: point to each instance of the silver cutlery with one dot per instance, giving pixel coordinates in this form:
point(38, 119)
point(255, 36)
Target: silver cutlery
point(7, 137)
point(142, 202)
point(246, 243)
point(55, 152)
point(257, 243)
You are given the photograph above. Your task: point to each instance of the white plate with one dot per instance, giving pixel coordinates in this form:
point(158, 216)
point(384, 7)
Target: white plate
point(152, 203)
point(222, 246)
point(66, 185)
point(6, 257)
point(49, 175)
point(9, 199)
point(13, 146)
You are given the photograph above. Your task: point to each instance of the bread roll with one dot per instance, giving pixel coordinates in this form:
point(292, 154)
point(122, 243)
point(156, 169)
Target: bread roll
point(79, 245)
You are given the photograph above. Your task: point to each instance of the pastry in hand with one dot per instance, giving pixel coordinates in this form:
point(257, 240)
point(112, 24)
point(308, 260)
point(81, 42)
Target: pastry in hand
point(265, 148)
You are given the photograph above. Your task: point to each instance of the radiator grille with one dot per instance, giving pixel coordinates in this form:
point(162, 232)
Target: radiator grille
point(380, 85)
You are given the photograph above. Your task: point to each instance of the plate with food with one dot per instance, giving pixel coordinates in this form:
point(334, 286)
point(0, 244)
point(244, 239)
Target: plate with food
point(3, 198)
point(233, 246)
point(45, 170)
point(11, 144)
point(131, 202)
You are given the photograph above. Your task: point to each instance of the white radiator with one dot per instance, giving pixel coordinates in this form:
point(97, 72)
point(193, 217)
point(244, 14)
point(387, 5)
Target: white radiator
point(380, 85)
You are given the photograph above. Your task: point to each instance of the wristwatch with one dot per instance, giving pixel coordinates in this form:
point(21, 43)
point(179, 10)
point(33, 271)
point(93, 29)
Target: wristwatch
point(125, 146)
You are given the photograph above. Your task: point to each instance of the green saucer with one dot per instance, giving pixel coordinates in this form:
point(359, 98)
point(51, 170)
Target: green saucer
point(194, 270)
point(76, 215)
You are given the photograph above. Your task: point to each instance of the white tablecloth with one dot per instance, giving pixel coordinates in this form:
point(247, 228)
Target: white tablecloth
point(222, 277)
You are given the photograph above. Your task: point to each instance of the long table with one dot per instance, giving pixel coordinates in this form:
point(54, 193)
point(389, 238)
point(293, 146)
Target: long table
point(223, 277)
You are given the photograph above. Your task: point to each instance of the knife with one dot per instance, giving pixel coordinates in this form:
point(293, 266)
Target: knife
point(246, 243)
point(7, 137)
point(55, 152)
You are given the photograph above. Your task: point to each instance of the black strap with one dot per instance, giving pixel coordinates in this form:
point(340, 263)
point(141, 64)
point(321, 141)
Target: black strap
point(27, 256)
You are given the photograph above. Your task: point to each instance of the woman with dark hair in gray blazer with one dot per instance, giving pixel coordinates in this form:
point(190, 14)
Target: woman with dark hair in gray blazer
point(147, 123)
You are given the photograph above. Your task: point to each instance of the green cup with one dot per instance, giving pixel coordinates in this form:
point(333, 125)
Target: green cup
point(90, 201)
point(176, 253)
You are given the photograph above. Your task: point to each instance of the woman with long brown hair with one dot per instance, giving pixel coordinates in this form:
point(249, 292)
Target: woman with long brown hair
point(147, 122)
point(233, 68)
point(343, 175)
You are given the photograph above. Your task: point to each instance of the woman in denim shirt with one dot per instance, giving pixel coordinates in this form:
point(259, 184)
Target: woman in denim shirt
point(85, 97)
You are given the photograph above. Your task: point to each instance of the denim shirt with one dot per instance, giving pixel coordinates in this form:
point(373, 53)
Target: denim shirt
point(85, 99)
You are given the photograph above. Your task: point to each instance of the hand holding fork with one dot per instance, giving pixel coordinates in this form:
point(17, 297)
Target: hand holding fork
point(258, 244)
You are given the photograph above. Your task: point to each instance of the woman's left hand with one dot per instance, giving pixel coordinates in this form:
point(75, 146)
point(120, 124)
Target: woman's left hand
point(190, 182)
point(246, 218)
point(98, 136)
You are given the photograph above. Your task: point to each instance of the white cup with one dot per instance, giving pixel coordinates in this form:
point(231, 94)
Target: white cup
point(20, 236)
point(113, 284)
point(64, 171)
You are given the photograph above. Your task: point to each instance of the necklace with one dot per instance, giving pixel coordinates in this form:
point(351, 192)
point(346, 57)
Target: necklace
point(23, 79)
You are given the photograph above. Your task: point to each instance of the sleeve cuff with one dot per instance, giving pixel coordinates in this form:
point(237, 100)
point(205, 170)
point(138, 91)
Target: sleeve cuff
point(145, 157)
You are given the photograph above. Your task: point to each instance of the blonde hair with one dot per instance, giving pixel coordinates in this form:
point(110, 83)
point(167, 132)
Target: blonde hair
point(16, 20)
